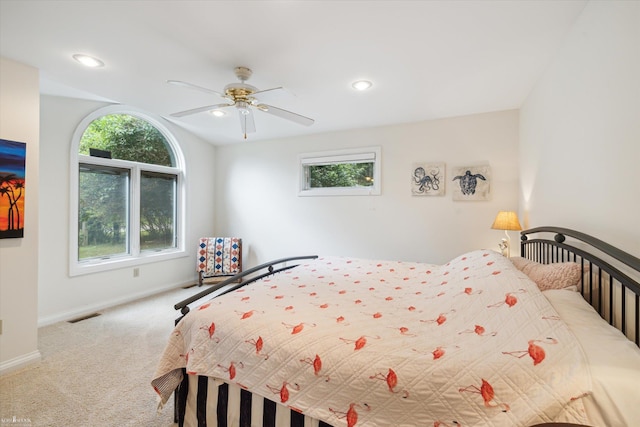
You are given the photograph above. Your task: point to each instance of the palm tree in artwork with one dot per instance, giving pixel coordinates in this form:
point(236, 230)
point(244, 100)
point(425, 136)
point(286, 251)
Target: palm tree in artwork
point(17, 185)
point(11, 187)
point(5, 187)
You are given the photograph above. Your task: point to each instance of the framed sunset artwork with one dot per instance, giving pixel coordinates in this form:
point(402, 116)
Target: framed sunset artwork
point(12, 188)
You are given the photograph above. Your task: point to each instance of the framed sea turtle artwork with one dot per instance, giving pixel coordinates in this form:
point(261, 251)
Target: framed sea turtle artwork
point(471, 183)
point(428, 179)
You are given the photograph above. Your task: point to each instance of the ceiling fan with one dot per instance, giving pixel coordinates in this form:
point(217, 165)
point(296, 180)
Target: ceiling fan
point(242, 96)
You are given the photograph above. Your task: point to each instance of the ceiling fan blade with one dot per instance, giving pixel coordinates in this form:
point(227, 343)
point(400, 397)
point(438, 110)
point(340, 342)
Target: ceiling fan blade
point(247, 124)
point(200, 110)
point(279, 112)
point(267, 90)
point(196, 87)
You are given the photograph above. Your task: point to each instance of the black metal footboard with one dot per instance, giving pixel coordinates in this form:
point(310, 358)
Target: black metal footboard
point(215, 403)
point(239, 280)
point(610, 277)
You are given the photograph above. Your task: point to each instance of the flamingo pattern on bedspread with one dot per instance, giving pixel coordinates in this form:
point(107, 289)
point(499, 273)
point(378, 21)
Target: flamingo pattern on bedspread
point(359, 342)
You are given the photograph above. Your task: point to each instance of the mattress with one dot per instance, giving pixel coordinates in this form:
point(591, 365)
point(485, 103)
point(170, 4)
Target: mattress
point(613, 361)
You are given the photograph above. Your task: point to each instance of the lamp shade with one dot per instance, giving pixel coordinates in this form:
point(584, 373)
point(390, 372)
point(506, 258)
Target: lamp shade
point(506, 220)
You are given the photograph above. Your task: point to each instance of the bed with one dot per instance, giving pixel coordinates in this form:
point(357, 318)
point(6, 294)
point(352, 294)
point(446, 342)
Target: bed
point(551, 336)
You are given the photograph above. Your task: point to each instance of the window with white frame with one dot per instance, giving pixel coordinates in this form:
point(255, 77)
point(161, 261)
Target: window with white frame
point(126, 192)
point(350, 172)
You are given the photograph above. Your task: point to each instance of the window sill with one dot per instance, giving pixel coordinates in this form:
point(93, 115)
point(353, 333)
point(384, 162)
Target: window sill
point(80, 268)
point(351, 191)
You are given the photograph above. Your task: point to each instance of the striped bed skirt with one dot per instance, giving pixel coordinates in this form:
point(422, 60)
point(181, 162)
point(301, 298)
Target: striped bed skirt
point(209, 402)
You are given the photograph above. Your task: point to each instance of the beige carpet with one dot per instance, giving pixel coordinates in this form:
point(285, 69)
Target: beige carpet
point(96, 372)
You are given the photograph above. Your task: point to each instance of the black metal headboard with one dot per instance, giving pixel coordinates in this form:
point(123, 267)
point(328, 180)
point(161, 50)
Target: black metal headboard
point(611, 277)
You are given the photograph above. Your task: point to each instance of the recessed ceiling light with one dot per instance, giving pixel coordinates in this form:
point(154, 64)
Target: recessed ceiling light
point(218, 113)
point(88, 61)
point(362, 85)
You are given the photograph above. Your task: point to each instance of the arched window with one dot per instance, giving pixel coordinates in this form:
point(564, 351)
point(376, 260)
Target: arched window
point(126, 192)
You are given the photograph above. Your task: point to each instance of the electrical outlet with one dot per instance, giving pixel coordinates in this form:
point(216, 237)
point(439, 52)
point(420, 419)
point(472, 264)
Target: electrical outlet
point(136, 272)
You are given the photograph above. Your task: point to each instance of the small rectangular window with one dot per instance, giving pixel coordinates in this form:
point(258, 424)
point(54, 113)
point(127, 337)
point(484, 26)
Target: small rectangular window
point(339, 173)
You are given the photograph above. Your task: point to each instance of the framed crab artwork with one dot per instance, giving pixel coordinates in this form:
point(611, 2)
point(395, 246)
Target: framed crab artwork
point(428, 179)
point(471, 183)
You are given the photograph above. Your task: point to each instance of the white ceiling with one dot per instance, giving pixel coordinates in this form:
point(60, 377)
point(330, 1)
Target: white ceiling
point(426, 59)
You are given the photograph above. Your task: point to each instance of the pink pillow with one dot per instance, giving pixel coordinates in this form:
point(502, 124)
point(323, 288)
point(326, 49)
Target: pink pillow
point(560, 275)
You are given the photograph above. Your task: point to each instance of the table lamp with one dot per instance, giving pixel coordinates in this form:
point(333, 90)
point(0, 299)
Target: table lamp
point(507, 220)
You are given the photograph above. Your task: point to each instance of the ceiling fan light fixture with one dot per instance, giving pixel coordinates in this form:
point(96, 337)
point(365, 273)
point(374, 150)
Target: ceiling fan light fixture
point(361, 85)
point(88, 61)
point(218, 113)
point(243, 107)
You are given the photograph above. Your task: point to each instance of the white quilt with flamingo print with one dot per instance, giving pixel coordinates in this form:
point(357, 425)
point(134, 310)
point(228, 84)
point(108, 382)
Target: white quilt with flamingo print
point(358, 342)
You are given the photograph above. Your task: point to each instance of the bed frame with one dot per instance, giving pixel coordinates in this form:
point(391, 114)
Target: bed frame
point(239, 280)
point(610, 277)
point(610, 283)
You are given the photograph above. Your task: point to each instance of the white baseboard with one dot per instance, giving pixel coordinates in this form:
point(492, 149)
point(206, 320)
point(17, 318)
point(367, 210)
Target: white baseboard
point(20, 362)
point(89, 309)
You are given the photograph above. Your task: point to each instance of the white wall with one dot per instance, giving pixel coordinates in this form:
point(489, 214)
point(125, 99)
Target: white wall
point(257, 184)
point(580, 130)
point(19, 115)
point(61, 297)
